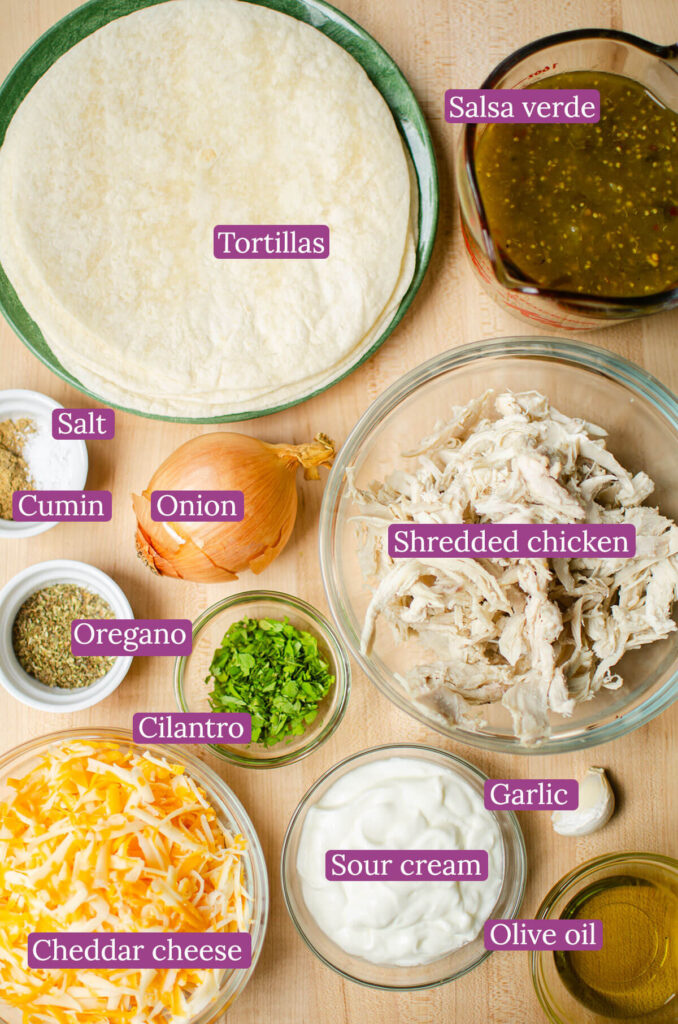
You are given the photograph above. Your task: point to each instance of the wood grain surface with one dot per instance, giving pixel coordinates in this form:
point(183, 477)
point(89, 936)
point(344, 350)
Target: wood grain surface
point(438, 44)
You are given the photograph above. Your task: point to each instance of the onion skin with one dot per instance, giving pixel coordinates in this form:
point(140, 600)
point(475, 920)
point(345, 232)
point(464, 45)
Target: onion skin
point(182, 561)
point(214, 552)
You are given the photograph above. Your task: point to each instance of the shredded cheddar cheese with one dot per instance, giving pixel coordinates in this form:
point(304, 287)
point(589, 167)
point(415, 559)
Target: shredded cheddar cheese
point(100, 838)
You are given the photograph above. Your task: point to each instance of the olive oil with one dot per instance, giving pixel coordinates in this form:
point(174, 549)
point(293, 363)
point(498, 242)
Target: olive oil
point(587, 208)
point(635, 974)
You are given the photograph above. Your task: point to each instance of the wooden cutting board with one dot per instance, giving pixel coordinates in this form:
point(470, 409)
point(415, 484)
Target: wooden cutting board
point(439, 44)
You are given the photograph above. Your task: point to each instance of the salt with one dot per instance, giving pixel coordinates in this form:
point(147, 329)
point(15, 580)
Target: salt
point(53, 465)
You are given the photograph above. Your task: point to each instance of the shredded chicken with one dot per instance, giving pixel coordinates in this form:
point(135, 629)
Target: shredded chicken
point(539, 635)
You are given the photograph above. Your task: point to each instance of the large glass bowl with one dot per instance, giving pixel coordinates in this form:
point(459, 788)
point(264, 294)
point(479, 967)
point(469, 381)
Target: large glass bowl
point(641, 416)
point(558, 1003)
point(381, 976)
point(191, 671)
point(230, 813)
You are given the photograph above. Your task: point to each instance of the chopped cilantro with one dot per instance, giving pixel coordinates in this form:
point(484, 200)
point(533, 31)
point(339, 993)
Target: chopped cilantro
point(273, 671)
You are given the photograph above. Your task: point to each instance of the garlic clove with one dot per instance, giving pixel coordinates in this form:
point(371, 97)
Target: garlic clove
point(596, 806)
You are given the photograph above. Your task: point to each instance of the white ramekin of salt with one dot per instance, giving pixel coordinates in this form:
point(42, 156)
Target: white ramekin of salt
point(28, 452)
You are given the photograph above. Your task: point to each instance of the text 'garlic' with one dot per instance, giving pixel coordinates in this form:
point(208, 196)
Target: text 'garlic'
point(596, 806)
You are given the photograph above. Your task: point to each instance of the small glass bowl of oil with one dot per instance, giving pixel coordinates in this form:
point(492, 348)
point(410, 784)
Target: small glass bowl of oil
point(634, 977)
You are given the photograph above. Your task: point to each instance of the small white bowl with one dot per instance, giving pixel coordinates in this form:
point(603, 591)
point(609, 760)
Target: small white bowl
point(15, 680)
point(15, 404)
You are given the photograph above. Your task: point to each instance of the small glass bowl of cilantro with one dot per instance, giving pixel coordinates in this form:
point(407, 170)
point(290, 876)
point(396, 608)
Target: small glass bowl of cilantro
point(276, 658)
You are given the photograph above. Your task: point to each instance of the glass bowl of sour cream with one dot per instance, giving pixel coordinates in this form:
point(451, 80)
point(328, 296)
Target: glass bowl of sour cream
point(416, 932)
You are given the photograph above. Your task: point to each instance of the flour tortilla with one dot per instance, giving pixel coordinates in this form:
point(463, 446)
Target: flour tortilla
point(142, 137)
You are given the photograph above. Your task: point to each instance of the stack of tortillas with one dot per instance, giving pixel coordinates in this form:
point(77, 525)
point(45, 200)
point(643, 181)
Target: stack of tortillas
point(145, 135)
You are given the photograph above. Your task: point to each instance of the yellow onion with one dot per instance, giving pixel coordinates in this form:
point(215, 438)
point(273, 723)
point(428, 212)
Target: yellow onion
point(211, 552)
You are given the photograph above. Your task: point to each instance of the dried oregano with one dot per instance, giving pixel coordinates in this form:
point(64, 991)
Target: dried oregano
point(41, 636)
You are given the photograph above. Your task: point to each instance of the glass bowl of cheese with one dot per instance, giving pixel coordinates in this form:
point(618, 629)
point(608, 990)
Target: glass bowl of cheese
point(102, 835)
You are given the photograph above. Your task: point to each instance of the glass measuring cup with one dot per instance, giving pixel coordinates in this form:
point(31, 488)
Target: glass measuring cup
point(605, 50)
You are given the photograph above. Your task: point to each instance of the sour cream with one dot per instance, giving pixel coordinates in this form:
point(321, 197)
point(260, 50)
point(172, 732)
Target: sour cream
point(399, 804)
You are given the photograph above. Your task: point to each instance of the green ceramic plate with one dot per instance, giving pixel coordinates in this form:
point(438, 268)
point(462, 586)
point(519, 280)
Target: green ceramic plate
point(383, 72)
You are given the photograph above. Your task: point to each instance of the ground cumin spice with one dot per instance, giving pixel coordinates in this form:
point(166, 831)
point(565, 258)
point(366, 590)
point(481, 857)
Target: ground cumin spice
point(41, 636)
point(15, 474)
